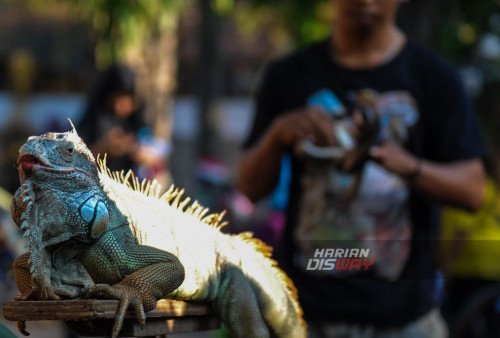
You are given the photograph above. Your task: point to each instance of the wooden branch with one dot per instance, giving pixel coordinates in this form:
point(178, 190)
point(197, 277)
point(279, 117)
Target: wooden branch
point(91, 317)
point(95, 309)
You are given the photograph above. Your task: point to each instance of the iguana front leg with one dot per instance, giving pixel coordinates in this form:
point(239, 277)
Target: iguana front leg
point(141, 290)
point(134, 274)
point(38, 263)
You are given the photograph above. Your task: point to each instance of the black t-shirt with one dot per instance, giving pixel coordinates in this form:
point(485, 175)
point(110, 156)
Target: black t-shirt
point(425, 104)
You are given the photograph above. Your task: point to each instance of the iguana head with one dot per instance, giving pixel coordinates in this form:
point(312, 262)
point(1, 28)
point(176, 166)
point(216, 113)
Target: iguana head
point(56, 157)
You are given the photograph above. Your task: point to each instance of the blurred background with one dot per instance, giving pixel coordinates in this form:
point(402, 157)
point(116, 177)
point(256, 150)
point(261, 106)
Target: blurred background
point(183, 81)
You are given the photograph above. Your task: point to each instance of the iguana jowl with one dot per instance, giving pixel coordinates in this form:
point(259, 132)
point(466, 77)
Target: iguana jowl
point(233, 272)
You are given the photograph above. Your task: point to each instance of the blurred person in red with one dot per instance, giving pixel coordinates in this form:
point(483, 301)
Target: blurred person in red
point(114, 124)
point(380, 132)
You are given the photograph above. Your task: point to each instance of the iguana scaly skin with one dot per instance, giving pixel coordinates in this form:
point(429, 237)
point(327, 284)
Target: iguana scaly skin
point(235, 273)
point(80, 244)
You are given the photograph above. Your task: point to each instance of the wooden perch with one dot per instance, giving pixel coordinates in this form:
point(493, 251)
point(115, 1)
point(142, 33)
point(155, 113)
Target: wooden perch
point(95, 317)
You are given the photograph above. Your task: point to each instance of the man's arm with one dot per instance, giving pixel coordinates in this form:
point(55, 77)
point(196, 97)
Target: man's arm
point(259, 167)
point(459, 183)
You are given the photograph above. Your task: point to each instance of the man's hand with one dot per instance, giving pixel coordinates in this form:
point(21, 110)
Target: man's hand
point(259, 166)
point(459, 183)
point(293, 127)
point(395, 159)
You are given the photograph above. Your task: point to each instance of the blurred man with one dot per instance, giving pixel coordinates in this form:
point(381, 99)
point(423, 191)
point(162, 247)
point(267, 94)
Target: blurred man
point(361, 219)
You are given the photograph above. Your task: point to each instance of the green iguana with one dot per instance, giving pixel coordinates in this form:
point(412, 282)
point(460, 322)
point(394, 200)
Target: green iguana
point(109, 239)
point(79, 242)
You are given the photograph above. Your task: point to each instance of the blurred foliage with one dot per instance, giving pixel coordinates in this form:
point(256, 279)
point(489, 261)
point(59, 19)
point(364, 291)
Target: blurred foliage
point(287, 22)
point(222, 7)
point(470, 36)
point(460, 26)
point(305, 20)
point(117, 25)
point(463, 25)
point(21, 70)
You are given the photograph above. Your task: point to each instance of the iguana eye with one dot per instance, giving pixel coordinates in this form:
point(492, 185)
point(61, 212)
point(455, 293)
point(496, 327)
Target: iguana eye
point(67, 149)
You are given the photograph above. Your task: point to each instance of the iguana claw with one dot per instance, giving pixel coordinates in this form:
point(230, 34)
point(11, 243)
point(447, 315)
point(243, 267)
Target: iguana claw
point(32, 288)
point(21, 326)
point(127, 296)
point(42, 292)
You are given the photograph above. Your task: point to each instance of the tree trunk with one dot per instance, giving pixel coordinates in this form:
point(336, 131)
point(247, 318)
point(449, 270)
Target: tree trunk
point(209, 74)
point(155, 63)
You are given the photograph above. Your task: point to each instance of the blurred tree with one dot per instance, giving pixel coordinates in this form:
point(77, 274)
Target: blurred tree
point(303, 20)
point(209, 68)
point(451, 27)
point(139, 33)
point(461, 24)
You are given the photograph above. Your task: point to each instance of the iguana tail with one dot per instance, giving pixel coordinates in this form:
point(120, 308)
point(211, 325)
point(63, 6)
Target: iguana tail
point(273, 291)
